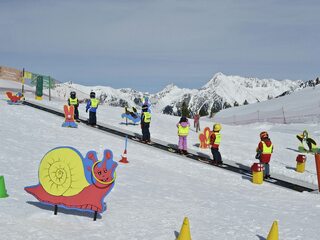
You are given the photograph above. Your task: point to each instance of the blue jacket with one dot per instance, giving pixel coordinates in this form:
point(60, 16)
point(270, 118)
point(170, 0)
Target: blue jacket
point(91, 109)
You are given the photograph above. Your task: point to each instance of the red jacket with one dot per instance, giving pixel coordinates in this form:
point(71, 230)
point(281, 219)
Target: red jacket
point(265, 157)
point(196, 118)
point(213, 139)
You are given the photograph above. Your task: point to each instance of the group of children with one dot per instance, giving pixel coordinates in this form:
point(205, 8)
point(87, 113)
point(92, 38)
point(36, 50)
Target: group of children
point(92, 105)
point(264, 149)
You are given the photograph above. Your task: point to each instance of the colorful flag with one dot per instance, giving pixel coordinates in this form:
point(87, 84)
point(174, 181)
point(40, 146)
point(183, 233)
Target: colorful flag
point(27, 75)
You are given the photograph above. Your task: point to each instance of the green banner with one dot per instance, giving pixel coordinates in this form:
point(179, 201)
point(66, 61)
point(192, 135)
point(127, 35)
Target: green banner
point(48, 82)
point(39, 86)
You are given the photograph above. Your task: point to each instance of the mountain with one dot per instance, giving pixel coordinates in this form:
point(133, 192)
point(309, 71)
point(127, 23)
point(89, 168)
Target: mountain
point(220, 92)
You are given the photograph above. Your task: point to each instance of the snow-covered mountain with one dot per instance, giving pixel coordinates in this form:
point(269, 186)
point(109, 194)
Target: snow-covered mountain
point(220, 92)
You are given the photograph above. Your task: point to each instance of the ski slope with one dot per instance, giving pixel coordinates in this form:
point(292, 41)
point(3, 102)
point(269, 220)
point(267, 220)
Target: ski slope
point(156, 189)
point(238, 142)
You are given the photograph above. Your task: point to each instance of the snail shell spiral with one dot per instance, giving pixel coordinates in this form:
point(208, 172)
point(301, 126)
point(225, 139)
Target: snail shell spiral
point(61, 172)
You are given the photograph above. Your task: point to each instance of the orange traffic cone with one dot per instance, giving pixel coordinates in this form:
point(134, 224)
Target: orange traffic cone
point(124, 157)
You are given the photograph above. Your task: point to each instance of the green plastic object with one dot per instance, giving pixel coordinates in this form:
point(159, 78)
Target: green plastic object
point(39, 86)
point(3, 191)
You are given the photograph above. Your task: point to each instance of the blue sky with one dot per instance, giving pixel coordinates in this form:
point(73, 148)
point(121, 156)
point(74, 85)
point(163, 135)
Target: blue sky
point(147, 44)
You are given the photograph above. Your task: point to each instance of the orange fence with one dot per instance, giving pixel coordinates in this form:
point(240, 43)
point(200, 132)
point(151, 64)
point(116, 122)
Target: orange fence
point(8, 73)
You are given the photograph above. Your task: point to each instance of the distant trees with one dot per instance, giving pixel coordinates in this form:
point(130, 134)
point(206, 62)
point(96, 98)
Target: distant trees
point(245, 102)
point(235, 104)
point(184, 110)
point(168, 110)
point(226, 105)
point(216, 107)
point(204, 110)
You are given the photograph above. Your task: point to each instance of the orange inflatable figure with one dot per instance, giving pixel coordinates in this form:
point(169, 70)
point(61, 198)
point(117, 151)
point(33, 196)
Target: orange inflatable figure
point(205, 138)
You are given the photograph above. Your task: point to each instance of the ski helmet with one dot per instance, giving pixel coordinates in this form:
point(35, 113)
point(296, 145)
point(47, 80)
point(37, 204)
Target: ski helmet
point(92, 95)
point(217, 127)
point(144, 108)
point(73, 94)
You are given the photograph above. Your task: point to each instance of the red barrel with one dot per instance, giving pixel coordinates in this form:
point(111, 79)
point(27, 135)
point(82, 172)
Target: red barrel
point(301, 158)
point(257, 167)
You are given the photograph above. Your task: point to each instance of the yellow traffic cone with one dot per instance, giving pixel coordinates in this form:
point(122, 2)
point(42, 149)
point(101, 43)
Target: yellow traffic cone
point(274, 232)
point(185, 230)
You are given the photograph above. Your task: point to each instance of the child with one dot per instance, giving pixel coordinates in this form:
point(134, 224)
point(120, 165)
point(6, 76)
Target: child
point(196, 122)
point(183, 131)
point(264, 151)
point(73, 100)
point(92, 104)
point(215, 139)
point(145, 124)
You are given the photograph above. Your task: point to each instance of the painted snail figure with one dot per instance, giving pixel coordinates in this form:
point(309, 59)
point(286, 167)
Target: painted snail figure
point(69, 180)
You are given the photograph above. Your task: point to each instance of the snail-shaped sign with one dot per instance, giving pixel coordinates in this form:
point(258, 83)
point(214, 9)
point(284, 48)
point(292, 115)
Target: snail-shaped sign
point(68, 180)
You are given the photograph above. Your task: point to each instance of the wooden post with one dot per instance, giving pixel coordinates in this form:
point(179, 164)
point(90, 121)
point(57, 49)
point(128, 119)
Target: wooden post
point(49, 88)
point(22, 81)
point(284, 117)
point(55, 209)
point(317, 158)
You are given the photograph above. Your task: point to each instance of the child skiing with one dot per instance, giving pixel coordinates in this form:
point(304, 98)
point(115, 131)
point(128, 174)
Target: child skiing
point(145, 124)
point(183, 131)
point(73, 100)
point(264, 151)
point(215, 139)
point(92, 106)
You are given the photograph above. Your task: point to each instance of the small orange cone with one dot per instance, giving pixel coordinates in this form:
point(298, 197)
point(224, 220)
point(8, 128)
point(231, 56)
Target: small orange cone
point(124, 157)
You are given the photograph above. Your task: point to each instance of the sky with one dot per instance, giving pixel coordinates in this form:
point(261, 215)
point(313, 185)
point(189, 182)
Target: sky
point(148, 44)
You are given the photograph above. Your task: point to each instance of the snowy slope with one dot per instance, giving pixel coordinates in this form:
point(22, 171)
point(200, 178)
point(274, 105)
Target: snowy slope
point(299, 107)
point(152, 193)
point(238, 142)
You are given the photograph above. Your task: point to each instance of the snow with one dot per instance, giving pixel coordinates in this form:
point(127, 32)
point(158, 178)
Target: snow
point(236, 88)
point(156, 190)
point(299, 107)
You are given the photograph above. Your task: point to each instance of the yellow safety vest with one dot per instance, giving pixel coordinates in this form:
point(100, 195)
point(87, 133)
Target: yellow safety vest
point(94, 102)
point(147, 117)
point(266, 149)
point(183, 131)
point(73, 101)
point(218, 138)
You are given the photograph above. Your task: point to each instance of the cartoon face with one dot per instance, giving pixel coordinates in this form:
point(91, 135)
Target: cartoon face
point(102, 174)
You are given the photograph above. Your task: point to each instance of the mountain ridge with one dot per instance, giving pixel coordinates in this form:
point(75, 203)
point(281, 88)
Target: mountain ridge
point(221, 91)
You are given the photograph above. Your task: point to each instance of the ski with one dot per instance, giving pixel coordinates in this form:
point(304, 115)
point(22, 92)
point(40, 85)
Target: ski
point(139, 140)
